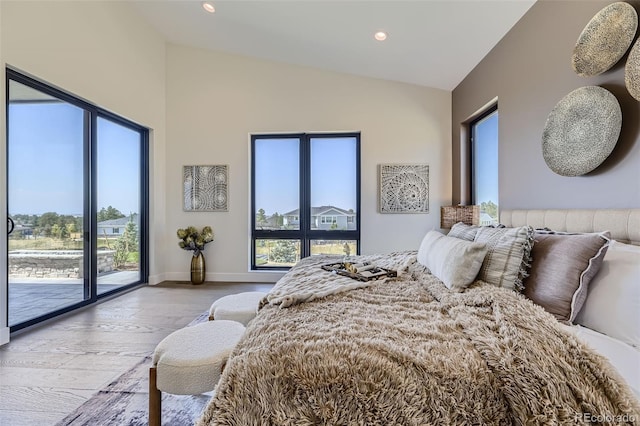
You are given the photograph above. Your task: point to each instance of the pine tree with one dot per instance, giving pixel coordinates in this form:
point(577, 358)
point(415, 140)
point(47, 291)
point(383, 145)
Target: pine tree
point(126, 244)
point(284, 251)
point(261, 219)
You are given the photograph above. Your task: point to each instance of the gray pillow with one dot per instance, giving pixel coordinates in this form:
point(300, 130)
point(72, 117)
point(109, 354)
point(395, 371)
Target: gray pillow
point(463, 231)
point(454, 261)
point(563, 265)
point(508, 256)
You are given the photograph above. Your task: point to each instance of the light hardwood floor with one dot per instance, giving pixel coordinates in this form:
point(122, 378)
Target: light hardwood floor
point(48, 371)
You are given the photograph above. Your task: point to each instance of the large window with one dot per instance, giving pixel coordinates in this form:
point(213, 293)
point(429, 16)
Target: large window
point(77, 194)
point(484, 165)
point(305, 197)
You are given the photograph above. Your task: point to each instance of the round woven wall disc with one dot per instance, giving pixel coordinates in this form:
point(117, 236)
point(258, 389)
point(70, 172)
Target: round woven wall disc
point(581, 131)
point(632, 71)
point(605, 39)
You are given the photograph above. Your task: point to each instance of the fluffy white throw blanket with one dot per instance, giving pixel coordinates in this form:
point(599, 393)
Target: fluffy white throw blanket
point(410, 352)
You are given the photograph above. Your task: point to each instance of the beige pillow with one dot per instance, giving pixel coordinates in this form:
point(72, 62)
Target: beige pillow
point(508, 257)
point(563, 265)
point(455, 262)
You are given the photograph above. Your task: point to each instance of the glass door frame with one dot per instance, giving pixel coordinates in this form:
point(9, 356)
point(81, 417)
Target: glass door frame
point(91, 114)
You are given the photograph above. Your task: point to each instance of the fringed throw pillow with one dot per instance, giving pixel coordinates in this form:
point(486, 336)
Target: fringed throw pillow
point(508, 257)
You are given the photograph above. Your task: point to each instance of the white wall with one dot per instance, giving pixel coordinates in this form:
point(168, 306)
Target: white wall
point(216, 100)
point(102, 52)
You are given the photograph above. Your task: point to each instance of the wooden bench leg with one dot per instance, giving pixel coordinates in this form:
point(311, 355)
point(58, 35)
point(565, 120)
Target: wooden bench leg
point(155, 400)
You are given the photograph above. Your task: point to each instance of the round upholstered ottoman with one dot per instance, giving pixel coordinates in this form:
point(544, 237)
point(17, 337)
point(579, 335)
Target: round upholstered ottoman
point(189, 361)
point(240, 307)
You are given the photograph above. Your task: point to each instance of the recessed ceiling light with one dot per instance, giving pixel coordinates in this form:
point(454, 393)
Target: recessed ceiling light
point(380, 36)
point(208, 6)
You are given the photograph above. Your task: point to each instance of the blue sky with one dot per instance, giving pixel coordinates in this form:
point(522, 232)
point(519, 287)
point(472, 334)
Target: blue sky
point(333, 174)
point(486, 159)
point(118, 167)
point(46, 161)
point(46, 165)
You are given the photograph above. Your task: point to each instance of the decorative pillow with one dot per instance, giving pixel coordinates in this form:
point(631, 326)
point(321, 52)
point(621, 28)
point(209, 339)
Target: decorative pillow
point(563, 265)
point(508, 255)
point(463, 231)
point(455, 262)
point(613, 302)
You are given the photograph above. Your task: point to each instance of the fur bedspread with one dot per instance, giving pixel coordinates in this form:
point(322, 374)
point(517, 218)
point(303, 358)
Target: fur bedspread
point(410, 352)
point(306, 281)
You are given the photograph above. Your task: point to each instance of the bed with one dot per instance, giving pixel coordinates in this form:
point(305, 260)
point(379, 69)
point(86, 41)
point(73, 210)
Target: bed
point(469, 332)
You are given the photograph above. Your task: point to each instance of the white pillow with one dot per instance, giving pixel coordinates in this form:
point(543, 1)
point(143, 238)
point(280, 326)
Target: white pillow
point(454, 261)
point(613, 302)
point(622, 356)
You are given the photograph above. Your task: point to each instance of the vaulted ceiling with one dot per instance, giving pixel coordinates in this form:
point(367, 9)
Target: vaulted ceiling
point(433, 43)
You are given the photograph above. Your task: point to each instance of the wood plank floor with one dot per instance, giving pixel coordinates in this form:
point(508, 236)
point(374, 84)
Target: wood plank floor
point(48, 371)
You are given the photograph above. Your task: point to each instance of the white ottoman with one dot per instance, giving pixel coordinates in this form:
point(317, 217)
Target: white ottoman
point(241, 307)
point(189, 361)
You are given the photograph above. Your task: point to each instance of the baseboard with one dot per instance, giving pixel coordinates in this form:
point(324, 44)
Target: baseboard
point(157, 279)
point(251, 277)
point(4, 335)
point(248, 277)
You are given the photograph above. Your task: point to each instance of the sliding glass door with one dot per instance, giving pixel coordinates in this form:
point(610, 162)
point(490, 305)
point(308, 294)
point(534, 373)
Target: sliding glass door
point(76, 191)
point(46, 199)
point(118, 200)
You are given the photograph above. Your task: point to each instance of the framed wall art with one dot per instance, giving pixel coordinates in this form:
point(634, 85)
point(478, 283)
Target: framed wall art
point(206, 188)
point(404, 188)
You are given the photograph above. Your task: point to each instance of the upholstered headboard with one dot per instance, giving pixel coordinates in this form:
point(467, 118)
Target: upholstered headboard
point(624, 224)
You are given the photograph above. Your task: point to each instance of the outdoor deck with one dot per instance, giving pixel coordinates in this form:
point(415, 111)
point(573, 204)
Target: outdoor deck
point(29, 298)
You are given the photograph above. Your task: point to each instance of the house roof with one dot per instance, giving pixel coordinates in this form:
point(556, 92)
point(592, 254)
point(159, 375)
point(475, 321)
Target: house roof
point(484, 217)
point(316, 211)
point(119, 222)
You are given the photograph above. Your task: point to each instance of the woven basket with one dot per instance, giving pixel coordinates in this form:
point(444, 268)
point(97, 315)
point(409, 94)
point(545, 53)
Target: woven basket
point(451, 215)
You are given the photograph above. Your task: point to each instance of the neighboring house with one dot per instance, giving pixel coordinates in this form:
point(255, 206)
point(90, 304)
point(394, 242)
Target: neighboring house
point(324, 217)
point(25, 231)
point(115, 227)
point(486, 220)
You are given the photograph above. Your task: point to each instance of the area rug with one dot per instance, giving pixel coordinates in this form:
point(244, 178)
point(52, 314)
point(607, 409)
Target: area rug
point(125, 401)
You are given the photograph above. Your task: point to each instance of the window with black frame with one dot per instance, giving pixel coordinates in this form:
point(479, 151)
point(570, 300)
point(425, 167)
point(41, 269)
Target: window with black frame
point(305, 197)
point(484, 165)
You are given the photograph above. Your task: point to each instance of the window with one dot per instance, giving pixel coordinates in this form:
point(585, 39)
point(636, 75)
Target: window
point(305, 197)
point(328, 219)
point(484, 165)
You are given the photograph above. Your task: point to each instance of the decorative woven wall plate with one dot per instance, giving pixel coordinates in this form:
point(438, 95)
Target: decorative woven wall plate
point(205, 188)
point(605, 39)
point(632, 71)
point(404, 188)
point(581, 131)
